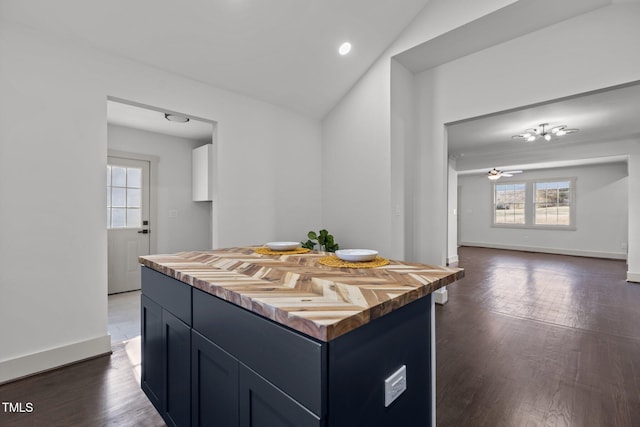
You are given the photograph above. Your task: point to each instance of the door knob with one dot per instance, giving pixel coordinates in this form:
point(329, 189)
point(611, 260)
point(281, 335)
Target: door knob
point(143, 232)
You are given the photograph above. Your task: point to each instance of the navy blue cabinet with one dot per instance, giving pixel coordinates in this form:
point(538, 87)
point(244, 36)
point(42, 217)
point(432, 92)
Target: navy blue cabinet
point(242, 364)
point(151, 349)
point(177, 369)
point(262, 404)
point(208, 362)
point(166, 346)
point(292, 362)
point(214, 384)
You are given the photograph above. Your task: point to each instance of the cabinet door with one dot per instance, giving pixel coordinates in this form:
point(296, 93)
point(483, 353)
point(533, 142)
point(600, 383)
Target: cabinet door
point(264, 405)
point(177, 341)
point(152, 350)
point(214, 384)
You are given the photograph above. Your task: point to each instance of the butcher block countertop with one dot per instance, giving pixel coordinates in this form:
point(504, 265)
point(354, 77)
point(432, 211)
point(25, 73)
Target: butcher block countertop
point(300, 293)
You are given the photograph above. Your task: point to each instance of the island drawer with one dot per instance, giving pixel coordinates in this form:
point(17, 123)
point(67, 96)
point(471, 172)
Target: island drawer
point(294, 363)
point(171, 294)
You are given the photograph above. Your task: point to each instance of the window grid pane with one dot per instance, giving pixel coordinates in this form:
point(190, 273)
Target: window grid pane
point(134, 197)
point(124, 197)
point(509, 203)
point(553, 203)
point(118, 176)
point(118, 197)
point(134, 178)
point(118, 217)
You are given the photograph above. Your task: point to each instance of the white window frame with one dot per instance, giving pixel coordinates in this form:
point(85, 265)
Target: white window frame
point(529, 208)
point(494, 204)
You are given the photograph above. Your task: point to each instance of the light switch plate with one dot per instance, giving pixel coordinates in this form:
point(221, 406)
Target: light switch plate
point(395, 385)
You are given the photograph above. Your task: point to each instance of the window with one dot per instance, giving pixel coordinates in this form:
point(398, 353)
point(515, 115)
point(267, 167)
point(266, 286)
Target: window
point(509, 203)
point(535, 204)
point(553, 203)
point(124, 197)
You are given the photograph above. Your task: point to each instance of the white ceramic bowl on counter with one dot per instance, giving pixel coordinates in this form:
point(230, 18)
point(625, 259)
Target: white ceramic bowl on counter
point(283, 246)
point(356, 255)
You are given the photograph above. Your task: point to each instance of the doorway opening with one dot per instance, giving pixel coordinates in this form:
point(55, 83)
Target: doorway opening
point(150, 207)
point(598, 157)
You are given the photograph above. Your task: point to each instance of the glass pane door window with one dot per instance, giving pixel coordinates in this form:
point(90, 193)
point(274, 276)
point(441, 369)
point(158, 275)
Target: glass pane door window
point(124, 197)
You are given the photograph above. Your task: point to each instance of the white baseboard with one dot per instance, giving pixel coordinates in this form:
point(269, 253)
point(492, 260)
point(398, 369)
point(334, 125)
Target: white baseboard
point(557, 251)
point(452, 259)
point(46, 360)
point(633, 277)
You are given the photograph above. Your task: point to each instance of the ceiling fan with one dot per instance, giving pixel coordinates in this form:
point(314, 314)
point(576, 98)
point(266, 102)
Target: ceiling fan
point(494, 174)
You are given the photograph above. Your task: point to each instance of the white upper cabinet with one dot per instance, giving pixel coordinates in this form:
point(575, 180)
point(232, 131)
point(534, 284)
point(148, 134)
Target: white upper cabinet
point(202, 173)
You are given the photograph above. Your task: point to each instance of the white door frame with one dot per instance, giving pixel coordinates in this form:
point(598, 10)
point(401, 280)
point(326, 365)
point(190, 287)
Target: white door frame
point(153, 192)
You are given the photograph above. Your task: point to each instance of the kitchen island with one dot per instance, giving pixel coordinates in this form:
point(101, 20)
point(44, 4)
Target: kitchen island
point(232, 337)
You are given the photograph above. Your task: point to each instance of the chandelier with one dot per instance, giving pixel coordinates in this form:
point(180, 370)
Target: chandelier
point(542, 131)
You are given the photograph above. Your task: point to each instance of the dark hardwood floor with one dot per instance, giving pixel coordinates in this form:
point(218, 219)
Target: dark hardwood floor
point(525, 340)
point(100, 392)
point(538, 340)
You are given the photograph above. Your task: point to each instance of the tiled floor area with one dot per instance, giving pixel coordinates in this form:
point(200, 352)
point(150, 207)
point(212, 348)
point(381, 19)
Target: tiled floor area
point(124, 316)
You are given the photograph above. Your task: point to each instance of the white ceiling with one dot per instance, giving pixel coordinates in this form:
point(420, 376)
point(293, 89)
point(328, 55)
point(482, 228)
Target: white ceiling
point(281, 51)
point(133, 116)
point(285, 52)
point(600, 116)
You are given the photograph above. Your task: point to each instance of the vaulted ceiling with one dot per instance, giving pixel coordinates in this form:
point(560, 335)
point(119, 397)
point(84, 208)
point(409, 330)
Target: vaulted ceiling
point(284, 52)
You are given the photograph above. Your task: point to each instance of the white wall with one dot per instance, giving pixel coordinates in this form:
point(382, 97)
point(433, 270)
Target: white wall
point(191, 228)
point(452, 213)
point(633, 257)
point(53, 153)
point(609, 33)
point(358, 204)
point(494, 85)
point(592, 51)
point(403, 131)
point(601, 207)
point(355, 166)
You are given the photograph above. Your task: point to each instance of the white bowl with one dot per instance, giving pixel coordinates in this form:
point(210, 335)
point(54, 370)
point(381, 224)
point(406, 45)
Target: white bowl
point(356, 255)
point(283, 246)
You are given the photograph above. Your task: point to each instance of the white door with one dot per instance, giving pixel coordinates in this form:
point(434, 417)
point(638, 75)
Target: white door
point(127, 221)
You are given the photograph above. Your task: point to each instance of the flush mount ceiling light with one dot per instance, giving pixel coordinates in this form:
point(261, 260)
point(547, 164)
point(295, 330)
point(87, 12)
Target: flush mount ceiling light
point(344, 48)
point(176, 118)
point(494, 174)
point(542, 131)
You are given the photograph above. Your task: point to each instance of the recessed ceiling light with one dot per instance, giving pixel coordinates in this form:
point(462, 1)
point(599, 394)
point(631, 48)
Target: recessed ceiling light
point(176, 118)
point(344, 48)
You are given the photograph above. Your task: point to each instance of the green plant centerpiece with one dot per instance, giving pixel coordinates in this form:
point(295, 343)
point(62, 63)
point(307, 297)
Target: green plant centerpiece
point(322, 239)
